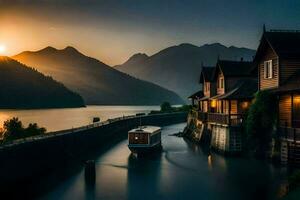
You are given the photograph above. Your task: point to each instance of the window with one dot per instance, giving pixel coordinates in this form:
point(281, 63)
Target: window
point(296, 111)
point(221, 82)
point(268, 69)
point(207, 87)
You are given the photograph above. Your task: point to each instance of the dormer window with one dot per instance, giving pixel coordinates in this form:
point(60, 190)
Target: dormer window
point(268, 69)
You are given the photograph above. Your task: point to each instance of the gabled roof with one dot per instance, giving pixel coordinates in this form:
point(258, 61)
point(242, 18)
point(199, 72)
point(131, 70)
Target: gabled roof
point(244, 89)
point(285, 44)
point(235, 68)
point(207, 73)
point(197, 95)
point(291, 85)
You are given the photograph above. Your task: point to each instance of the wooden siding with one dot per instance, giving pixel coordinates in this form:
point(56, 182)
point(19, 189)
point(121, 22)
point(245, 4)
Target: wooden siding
point(213, 88)
point(205, 106)
point(285, 110)
point(288, 68)
point(220, 90)
point(233, 107)
point(207, 86)
point(272, 82)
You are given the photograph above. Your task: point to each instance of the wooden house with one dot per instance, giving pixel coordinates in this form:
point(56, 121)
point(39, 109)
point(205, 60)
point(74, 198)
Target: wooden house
point(278, 64)
point(228, 89)
point(236, 84)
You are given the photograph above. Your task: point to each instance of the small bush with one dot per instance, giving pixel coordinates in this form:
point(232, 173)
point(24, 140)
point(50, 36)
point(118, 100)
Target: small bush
point(260, 121)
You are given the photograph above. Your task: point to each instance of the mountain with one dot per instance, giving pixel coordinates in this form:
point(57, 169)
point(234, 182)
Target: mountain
point(95, 81)
point(177, 68)
point(24, 87)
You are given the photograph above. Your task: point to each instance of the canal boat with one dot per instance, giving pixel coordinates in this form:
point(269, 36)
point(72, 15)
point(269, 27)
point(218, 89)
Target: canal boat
point(144, 139)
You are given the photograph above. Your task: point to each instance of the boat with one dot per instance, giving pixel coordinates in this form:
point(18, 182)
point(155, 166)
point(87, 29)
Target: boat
point(144, 139)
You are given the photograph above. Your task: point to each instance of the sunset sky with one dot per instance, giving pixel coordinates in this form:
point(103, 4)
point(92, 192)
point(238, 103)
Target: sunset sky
point(114, 30)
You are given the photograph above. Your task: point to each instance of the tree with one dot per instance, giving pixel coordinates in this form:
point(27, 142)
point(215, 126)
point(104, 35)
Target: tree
point(34, 129)
point(165, 107)
point(260, 122)
point(13, 129)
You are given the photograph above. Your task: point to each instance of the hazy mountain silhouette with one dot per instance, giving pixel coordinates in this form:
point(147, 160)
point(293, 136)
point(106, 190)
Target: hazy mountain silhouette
point(95, 81)
point(178, 67)
point(24, 87)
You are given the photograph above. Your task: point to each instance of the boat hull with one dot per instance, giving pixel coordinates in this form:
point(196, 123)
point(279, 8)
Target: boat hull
point(145, 149)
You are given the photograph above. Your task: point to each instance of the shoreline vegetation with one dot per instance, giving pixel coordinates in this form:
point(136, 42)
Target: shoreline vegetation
point(166, 107)
point(13, 129)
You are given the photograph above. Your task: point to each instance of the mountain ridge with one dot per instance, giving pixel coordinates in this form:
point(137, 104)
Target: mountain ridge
point(97, 82)
point(177, 67)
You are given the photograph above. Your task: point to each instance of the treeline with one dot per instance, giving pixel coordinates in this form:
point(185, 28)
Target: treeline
point(25, 87)
point(166, 107)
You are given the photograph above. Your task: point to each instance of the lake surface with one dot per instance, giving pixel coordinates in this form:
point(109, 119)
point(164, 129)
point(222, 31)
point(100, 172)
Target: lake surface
point(66, 118)
point(182, 171)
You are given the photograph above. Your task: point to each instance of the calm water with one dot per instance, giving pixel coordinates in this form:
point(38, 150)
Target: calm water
point(59, 119)
point(182, 171)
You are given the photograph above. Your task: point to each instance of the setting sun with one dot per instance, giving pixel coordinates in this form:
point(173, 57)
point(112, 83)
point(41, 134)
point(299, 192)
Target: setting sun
point(2, 48)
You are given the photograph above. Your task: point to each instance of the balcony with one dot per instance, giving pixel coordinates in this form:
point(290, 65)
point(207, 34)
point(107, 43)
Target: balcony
point(226, 119)
point(202, 116)
point(289, 133)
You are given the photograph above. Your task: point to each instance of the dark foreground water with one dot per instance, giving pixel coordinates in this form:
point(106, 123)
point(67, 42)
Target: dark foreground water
point(182, 171)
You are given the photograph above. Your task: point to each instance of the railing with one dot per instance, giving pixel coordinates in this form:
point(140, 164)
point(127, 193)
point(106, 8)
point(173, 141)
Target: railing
point(232, 119)
point(202, 116)
point(289, 133)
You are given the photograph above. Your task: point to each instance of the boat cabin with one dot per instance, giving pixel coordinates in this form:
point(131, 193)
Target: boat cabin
point(144, 138)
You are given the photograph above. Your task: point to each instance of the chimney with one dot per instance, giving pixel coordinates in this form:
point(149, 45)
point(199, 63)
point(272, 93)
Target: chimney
point(242, 59)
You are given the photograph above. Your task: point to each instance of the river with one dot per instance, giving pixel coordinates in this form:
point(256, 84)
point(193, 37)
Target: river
point(182, 171)
point(66, 118)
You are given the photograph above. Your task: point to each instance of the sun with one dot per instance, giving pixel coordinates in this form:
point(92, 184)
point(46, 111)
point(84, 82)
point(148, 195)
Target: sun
point(2, 48)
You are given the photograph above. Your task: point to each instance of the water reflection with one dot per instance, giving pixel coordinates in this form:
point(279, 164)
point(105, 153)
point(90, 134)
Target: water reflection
point(144, 176)
point(183, 170)
point(90, 180)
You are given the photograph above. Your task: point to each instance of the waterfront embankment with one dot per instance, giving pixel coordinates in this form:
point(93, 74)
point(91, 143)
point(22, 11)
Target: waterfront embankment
point(26, 159)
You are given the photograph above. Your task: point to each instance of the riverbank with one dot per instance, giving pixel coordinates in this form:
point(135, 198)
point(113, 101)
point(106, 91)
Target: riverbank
point(27, 159)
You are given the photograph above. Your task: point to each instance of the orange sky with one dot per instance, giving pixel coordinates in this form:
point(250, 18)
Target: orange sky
point(112, 31)
point(20, 32)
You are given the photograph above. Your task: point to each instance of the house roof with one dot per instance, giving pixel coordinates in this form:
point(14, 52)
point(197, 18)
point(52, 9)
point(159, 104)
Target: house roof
point(198, 95)
point(291, 85)
point(285, 44)
point(207, 73)
point(235, 68)
point(244, 89)
point(204, 98)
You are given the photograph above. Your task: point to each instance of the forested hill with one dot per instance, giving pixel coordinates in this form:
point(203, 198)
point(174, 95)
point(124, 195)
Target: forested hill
point(25, 87)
